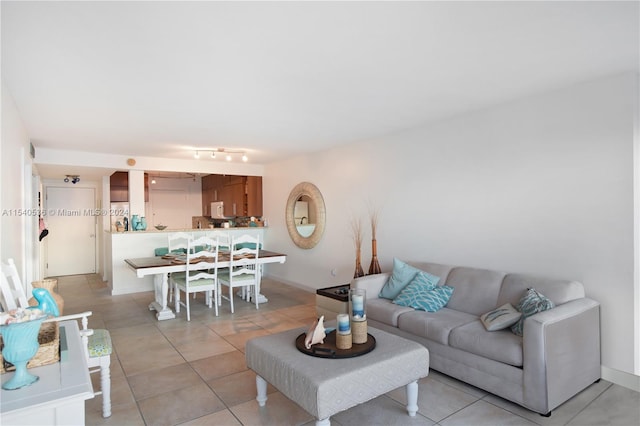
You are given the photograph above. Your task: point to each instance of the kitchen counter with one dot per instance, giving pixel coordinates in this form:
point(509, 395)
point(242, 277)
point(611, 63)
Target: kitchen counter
point(153, 230)
point(135, 244)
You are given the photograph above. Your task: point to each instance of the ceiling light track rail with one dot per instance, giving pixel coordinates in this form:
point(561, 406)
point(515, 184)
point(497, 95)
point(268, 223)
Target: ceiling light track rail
point(227, 153)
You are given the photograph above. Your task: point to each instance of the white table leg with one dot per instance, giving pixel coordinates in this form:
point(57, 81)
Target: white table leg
point(412, 398)
point(323, 422)
point(161, 288)
point(261, 297)
point(261, 386)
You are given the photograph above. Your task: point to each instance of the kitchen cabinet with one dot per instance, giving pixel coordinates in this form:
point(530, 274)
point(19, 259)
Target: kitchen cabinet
point(211, 191)
point(233, 195)
point(242, 195)
point(119, 187)
point(254, 196)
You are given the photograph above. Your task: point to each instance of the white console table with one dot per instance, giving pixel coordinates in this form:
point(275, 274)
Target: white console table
point(58, 397)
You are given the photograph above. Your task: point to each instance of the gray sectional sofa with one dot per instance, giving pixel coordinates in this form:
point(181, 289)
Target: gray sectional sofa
point(557, 356)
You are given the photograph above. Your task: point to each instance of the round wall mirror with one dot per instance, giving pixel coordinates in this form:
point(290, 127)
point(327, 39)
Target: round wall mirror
point(305, 215)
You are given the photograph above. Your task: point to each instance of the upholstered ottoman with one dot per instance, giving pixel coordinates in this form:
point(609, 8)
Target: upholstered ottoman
point(323, 386)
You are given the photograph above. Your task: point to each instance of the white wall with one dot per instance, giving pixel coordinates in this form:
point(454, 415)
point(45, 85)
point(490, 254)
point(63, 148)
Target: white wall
point(181, 196)
point(16, 200)
point(541, 185)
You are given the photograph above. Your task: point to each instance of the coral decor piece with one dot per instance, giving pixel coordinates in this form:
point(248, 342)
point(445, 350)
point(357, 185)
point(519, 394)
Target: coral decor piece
point(356, 229)
point(316, 333)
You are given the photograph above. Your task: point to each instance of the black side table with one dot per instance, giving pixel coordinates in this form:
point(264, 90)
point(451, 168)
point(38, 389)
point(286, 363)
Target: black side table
point(332, 301)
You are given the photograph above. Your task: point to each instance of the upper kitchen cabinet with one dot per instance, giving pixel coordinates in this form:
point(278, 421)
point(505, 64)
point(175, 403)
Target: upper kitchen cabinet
point(119, 183)
point(233, 195)
point(254, 196)
point(242, 195)
point(211, 191)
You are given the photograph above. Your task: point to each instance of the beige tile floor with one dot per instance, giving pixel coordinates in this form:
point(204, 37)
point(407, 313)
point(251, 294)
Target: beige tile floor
point(176, 372)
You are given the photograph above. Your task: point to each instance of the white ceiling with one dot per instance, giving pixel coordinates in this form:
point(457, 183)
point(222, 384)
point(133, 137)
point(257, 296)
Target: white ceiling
point(284, 78)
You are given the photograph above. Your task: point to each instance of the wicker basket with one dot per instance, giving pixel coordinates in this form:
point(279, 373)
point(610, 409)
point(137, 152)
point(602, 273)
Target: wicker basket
point(48, 352)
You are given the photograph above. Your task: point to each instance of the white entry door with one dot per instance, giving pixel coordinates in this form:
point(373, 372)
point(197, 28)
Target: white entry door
point(71, 242)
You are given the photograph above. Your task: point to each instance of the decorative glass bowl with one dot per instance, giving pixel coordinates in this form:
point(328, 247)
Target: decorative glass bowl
point(161, 227)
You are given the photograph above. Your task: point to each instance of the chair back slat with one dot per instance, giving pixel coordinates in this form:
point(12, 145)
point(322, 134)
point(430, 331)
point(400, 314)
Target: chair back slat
point(178, 242)
point(202, 258)
point(12, 290)
point(244, 256)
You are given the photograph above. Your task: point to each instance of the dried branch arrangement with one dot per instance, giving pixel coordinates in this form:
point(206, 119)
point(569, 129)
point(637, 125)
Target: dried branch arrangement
point(356, 233)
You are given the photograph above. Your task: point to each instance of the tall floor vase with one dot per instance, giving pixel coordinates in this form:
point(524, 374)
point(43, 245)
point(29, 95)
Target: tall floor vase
point(359, 272)
point(20, 345)
point(374, 267)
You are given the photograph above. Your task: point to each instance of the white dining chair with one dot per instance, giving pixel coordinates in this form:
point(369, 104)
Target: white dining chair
point(97, 343)
point(12, 292)
point(243, 268)
point(201, 274)
point(177, 244)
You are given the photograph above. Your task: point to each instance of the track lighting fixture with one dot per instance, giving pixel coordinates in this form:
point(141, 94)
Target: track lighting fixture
point(73, 178)
point(228, 154)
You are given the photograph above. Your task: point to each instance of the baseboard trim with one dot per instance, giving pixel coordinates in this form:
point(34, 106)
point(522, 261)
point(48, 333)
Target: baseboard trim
point(291, 283)
point(627, 380)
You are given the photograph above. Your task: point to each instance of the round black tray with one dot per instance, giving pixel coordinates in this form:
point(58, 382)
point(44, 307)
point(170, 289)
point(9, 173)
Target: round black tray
point(328, 349)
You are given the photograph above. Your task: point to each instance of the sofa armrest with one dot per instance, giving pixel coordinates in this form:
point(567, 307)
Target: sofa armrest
point(371, 283)
point(561, 353)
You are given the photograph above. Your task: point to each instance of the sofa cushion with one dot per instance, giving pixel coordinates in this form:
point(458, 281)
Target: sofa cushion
point(384, 311)
point(476, 289)
point(531, 303)
point(501, 346)
point(401, 276)
point(434, 326)
point(500, 318)
point(424, 297)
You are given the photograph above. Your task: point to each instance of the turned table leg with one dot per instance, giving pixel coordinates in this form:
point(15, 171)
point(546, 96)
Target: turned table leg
point(412, 398)
point(261, 386)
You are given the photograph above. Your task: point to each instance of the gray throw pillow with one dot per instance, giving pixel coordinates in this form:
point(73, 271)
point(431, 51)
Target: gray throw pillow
point(531, 303)
point(500, 318)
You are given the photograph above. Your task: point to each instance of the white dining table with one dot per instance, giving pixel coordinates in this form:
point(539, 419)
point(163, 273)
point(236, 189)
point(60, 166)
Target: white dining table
point(161, 267)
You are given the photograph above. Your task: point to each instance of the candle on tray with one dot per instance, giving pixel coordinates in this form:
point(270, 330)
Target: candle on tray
point(357, 302)
point(343, 324)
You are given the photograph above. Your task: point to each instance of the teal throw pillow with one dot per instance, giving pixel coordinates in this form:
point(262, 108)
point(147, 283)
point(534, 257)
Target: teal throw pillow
point(401, 276)
point(426, 279)
point(424, 297)
point(531, 303)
